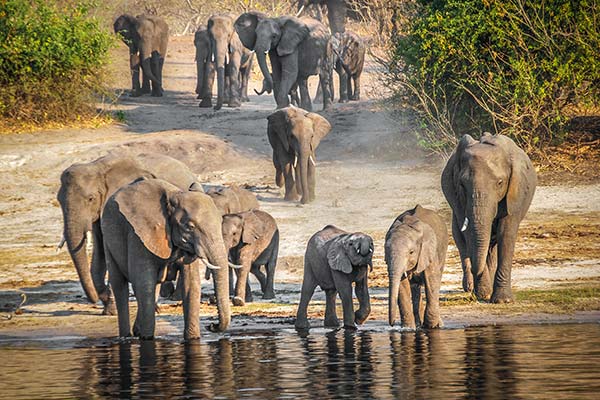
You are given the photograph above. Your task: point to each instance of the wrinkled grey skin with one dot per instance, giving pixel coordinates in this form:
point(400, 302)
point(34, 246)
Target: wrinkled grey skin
point(148, 225)
point(294, 135)
point(84, 189)
point(147, 38)
point(491, 182)
point(233, 199)
point(297, 49)
point(232, 61)
point(252, 238)
point(336, 12)
point(415, 254)
point(349, 53)
point(335, 259)
point(205, 67)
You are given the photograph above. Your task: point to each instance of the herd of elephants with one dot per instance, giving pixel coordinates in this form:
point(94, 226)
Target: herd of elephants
point(154, 225)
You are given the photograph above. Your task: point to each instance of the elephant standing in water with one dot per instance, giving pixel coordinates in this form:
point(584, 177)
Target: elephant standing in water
point(489, 185)
point(84, 189)
point(147, 226)
point(147, 38)
point(297, 48)
point(294, 135)
point(415, 253)
point(335, 259)
point(349, 53)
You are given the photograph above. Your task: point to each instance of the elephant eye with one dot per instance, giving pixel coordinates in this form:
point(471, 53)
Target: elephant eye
point(412, 252)
point(500, 182)
point(91, 198)
point(190, 225)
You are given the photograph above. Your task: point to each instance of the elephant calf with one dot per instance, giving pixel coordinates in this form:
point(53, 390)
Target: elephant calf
point(335, 259)
point(252, 238)
point(415, 253)
point(349, 53)
point(233, 199)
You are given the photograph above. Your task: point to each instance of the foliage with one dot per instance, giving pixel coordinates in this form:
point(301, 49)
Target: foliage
point(51, 61)
point(514, 67)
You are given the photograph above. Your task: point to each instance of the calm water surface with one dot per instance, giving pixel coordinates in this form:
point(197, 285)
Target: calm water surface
point(542, 361)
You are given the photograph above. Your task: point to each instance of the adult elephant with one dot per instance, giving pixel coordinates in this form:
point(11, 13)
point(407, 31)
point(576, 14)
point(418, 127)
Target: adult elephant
point(228, 54)
point(147, 226)
point(489, 185)
point(205, 67)
point(84, 189)
point(297, 49)
point(336, 12)
point(147, 38)
point(294, 135)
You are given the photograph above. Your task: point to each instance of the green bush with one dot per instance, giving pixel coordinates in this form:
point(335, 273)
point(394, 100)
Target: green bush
point(52, 61)
point(516, 67)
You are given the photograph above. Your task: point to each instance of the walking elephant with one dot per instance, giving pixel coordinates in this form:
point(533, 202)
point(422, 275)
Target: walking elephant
point(415, 253)
point(84, 189)
point(150, 224)
point(294, 135)
point(297, 49)
point(252, 238)
point(334, 260)
point(336, 12)
point(349, 54)
point(489, 185)
point(147, 38)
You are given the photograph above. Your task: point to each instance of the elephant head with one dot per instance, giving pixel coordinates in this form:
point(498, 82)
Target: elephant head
point(484, 181)
point(263, 35)
point(410, 248)
point(241, 228)
point(350, 250)
point(174, 224)
point(298, 134)
point(125, 26)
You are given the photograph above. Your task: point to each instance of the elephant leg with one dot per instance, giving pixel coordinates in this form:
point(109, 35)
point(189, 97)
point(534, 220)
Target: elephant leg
point(492, 260)
point(309, 284)
point(324, 83)
point(240, 283)
point(276, 69)
point(234, 82)
point(248, 298)
point(289, 68)
point(415, 289)
point(262, 278)
point(190, 281)
point(433, 278)
point(145, 286)
point(177, 295)
point(146, 89)
point(506, 236)
point(331, 319)
point(121, 292)
point(155, 67)
point(207, 85)
point(134, 65)
point(269, 292)
point(161, 63)
point(349, 86)
point(244, 73)
point(407, 315)
point(343, 85)
point(311, 171)
point(146, 63)
point(319, 95)
point(344, 288)
point(291, 193)
point(356, 91)
point(99, 269)
point(231, 282)
point(461, 244)
point(362, 293)
point(305, 102)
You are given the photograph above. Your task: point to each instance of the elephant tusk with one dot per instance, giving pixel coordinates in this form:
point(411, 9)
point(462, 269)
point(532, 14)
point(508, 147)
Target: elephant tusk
point(235, 266)
point(300, 11)
point(266, 52)
point(295, 161)
point(212, 57)
point(312, 160)
point(404, 275)
point(226, 60)
point(293, 177)
point(357, 251)
point(465, 224)
point(209, 265)
point(60, 244)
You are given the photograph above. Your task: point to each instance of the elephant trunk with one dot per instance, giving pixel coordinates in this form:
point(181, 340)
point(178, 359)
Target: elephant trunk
point(219, 53)
point(336, 13)
point(480, 221)
point(217, 255)
point(200, 67)
point(303, 169)
point(220, 87)
point(393, 297)
point(75, 237)
point(147, 69)
point(190, 275)
point(268, 80)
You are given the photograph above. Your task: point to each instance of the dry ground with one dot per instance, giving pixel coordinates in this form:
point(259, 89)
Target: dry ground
point(369, 171)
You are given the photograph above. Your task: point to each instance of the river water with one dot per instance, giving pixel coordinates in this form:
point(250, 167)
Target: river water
point(537, 361)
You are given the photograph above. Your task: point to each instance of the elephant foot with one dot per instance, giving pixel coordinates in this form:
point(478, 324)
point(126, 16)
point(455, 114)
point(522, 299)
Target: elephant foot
point(217, 107)
point(433, 325)
point(245, 100)
point(501, 296)
point(167, 289)
point(205, 103)
point(467, 282)
point(409, 325)
point(135, 93)
point(302, 324)
point(482, 293)
point(147, 337)
point(212, 299)
point(354, 98)
point(332, 322)
point(136, 330)
point(234, 103)
point(268, 295)
point(360, 317)
point(249, 298)
point(157, 94)
point(350, 327)
point(238, 301)
point(145, 90)
point(342, 100)
point(109, 309)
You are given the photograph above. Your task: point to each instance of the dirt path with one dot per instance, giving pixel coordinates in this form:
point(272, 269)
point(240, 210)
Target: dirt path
point(369, 171)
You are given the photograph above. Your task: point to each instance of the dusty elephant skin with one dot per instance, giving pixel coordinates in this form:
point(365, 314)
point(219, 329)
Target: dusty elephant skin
point(205, 67)
point(252, 238)
point(147, 38)
point(489, 185)
point(297, 49)
point(150, 224)
point(233, 199)
point(415, 253)
point(349, 58)
point(334, 260)
point(84, 189)
point(294, 135)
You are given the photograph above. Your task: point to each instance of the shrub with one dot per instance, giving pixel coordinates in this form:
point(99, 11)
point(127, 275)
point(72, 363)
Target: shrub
point(52, 60)
point(513, 66)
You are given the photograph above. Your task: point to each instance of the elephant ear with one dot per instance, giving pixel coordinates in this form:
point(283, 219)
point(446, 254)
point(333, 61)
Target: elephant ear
point(253, 228)
point(428, 249)
point(278, 127)
point(518, 185)
point(294, 32)
point(336, 255)
point(245, 26)
point(451, 172)
point(145, 205)
point(321, 127)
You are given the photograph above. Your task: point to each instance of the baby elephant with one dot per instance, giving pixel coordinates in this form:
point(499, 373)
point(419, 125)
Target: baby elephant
point(252, 238)
point(233, 199)
point(335, 259)
point(349, 54)
point(415, 252)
